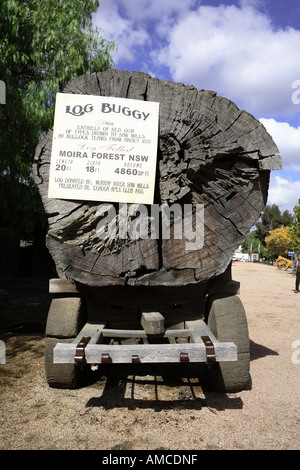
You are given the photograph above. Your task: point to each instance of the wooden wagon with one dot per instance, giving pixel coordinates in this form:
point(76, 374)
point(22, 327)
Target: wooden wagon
point(283, 263)
point(151, 300)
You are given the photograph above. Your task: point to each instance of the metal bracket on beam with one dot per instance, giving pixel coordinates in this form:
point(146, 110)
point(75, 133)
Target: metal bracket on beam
point(184, 357)
point(210, 350)
point(105, 358)
point(135, 359)
point(80, 350)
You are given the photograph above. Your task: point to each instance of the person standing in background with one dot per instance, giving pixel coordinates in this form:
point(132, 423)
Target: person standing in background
point(296, 271)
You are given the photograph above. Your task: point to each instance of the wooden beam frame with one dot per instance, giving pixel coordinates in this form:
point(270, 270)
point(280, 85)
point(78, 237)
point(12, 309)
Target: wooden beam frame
point(195, 351)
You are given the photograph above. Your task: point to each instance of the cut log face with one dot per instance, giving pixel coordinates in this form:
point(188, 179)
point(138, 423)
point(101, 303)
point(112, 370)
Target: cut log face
point(210, 154)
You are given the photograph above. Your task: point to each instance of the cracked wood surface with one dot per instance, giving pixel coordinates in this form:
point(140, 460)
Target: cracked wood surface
point(210, 152)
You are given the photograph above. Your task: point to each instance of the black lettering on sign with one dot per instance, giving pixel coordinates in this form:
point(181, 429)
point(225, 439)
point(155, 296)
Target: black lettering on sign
point(118, 109)
point(79, 110)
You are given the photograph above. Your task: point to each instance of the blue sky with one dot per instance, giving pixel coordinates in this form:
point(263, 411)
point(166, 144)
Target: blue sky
point(245, 50)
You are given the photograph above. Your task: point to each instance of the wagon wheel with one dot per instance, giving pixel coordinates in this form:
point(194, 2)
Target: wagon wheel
point(227, 320)
point(66, 318)
point(282, 265)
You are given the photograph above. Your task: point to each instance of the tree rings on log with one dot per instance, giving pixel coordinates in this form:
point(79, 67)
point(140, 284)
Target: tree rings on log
point(211, 154)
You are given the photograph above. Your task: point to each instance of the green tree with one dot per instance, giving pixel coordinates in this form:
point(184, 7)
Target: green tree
point(252, 244)
point(295, 229)
point(286, 218)
point(44, 44)
point(271, 219)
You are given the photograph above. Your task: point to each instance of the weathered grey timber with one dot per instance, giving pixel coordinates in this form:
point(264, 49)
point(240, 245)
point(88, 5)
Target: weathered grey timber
point(148, 353)
point(153, 323)
point(210, 152)
point(2, 353)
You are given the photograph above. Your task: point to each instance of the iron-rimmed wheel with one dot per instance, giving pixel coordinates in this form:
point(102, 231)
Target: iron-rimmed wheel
point(282, 265)
point(227, 320)
point(66, 317)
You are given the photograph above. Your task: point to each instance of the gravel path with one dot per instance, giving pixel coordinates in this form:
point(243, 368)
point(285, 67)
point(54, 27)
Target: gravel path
point(153, 411)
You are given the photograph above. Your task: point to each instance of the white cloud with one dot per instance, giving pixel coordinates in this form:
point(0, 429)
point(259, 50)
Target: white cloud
point(287, 139)
point(236, 52)
point(284, 193)
point(233, 50)
point(120, 29)
point(128, 22)
point(142, 10)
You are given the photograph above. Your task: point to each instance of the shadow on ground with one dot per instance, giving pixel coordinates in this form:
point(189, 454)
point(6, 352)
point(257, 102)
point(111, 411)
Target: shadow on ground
point(24, 307)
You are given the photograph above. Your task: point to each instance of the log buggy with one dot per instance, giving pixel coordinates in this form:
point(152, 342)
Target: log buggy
point(147, 300)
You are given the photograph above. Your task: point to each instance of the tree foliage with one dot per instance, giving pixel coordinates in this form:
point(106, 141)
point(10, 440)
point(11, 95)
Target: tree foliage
point(295, 229)
point(271, 219)
point(278, 242)
point(44, 44)
point(252, 244)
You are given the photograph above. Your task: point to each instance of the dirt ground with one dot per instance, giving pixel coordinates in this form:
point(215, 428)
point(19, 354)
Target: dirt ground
point(155, 410)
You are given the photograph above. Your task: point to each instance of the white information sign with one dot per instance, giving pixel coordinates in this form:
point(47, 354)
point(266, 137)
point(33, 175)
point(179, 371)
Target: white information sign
point(104, 149)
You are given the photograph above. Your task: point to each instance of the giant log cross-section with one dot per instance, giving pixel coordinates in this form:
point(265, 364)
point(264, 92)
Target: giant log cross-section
point(210, 152)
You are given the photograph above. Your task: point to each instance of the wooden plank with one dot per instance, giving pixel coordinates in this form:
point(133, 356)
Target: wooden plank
point(147, 353)
point(153, 323)
point(90, 329)
point(62, 286)
point(2, 353)
point(199, 328)
point(172, 333)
